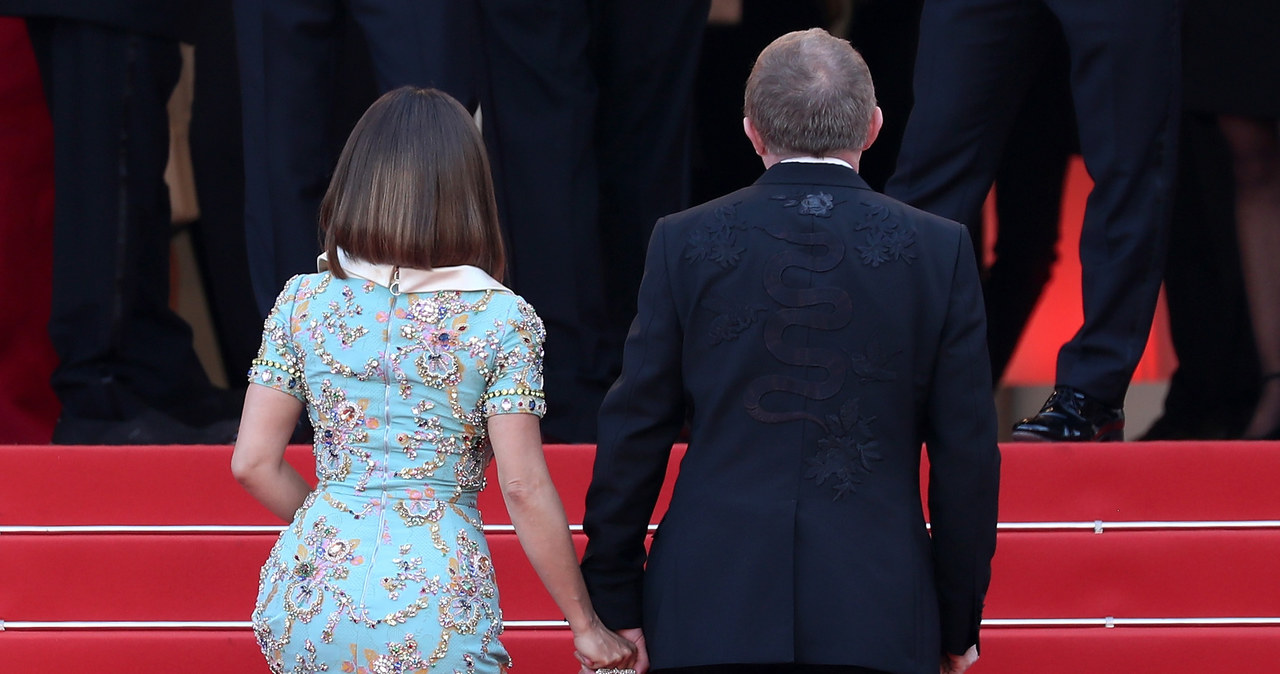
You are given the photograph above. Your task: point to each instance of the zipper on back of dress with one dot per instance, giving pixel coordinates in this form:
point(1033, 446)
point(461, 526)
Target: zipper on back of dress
point(394, 287)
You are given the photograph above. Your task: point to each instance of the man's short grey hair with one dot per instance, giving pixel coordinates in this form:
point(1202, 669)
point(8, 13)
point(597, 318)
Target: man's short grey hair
point(810, 93)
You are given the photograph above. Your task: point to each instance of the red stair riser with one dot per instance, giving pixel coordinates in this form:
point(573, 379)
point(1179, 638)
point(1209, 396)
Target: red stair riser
point(1125, 650)
point(1040, 483)
point(123, 485)
point(1141, 574)
point(1075, 574)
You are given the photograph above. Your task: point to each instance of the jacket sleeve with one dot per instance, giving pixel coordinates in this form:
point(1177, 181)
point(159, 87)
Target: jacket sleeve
point(640, 418)
point(964, 473)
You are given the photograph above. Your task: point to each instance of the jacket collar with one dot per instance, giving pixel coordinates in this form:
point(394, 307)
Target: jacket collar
point(798, 173)
point(462, 277)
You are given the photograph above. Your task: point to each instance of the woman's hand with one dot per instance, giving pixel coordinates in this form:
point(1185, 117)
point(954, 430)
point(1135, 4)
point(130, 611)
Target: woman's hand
point(597, 648)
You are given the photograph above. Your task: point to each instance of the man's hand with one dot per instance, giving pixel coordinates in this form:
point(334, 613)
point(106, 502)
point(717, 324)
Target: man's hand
point(635, 636)
point(956, 664)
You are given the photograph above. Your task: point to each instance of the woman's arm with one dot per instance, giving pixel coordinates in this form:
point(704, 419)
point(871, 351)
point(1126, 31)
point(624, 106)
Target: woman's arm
point(543, 530)
point(258, 461)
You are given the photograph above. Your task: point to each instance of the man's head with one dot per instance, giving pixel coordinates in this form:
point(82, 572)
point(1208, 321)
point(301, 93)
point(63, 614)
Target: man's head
point(810, 94)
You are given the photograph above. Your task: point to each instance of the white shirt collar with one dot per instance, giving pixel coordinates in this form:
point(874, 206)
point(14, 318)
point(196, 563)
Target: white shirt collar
point(816, 160)
point(462, 277)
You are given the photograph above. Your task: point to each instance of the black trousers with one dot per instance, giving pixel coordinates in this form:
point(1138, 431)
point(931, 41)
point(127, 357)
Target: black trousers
point(217, 159)
point(587, 118)
point(293, 86)
point(1029, 184)
point(117, 341)
point(973, 67)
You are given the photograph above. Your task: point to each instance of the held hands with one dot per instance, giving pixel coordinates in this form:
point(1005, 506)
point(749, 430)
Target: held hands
point(636, 636)
point(598, 648)
point(957, 664)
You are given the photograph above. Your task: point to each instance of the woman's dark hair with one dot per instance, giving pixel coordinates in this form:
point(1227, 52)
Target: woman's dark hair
point(412, 188)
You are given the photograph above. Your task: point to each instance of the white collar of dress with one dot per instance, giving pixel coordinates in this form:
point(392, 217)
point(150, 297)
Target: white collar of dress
point(462, 277)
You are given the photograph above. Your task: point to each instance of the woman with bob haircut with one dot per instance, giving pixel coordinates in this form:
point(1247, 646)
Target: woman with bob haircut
point(416, 368)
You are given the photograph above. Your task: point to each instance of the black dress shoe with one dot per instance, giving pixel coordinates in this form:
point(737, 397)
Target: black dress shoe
point(1071, 416)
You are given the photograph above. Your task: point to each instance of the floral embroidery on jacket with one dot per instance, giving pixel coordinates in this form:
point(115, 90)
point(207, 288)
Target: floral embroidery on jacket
point(872, 365)
point(886, 240)
point(716, 239)
point(846, 454)
point(731, 320)
point(818, 205)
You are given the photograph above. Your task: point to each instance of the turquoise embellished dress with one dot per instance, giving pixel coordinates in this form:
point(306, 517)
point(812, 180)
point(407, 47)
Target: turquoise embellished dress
point(385, 567)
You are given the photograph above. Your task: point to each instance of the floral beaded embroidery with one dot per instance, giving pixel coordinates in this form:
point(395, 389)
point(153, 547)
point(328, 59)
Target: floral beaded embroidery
point(278, 364)
point(463, 601)
point(520, 364)
point(398, 389)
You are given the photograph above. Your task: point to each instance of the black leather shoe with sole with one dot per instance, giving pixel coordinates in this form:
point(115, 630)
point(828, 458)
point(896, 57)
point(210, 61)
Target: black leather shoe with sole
point(1071, 416)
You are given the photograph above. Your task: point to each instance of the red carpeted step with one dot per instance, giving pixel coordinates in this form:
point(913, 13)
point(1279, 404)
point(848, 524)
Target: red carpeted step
point(123, 485)
point(1042, 571)
point(129, 577)
point(1091, 650)
point(1040, 483)
point(1215, 573)
point(1140, 481)
point(1096, 650)
point(1132, 574)
point(131, 652)
point(157, 485)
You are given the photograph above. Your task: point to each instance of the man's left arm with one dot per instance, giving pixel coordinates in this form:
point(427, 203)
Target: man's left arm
point(639, 420)
point(964, 473)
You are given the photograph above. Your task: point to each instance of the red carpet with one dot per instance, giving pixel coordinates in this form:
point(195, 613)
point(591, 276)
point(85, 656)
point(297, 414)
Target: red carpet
point(1174, 545)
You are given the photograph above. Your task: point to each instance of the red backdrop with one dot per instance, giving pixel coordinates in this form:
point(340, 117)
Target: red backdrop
point(28, 407)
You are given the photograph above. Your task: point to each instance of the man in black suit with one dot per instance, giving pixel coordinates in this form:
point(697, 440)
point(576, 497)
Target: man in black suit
point(973, 69)
point(813, 334)
point(127, 371)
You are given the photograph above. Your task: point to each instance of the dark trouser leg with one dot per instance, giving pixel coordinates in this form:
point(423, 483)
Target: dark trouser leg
point(539, 112)
point(217, 157)
point(586, 116)
point(288, 65)
point(111, 323)
point(886, 34)
point(1028, 206)
point(1125, 83)
point(646, 57)
point(975, 62)
point(423, 44)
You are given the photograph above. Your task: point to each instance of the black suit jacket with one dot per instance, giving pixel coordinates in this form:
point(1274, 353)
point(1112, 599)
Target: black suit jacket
point(814, 333)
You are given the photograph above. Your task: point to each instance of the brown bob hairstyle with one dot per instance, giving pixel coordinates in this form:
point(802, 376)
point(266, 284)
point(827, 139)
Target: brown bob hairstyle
point(412, 188)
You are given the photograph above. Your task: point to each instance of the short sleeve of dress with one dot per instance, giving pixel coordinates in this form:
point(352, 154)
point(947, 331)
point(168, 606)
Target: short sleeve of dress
point(517, 387)
point(278, 365)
